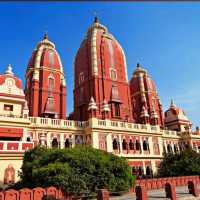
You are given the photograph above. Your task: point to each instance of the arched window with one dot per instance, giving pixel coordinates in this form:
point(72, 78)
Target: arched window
point(124, 144)
point(113, 74)
point(81, 77)
point(164, 149)
point(169, 148)
point(148, 171)
point(133, 170)
point(28, 139)
point(137, 145)
point(145, 145)
point(54, 143)
point(180, 147)
point(140, 171)
point(131, 145)
point(51, 82)
point(186, 146)
point(117, 109)
point(67, 143)
point(175, 148)
point(9, 175)
point(115, 144)
point(156, 147)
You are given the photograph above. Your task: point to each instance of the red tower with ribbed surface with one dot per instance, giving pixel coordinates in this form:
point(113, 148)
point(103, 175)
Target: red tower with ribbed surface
point(45, 83)
point(146, 105)
point(101, 84)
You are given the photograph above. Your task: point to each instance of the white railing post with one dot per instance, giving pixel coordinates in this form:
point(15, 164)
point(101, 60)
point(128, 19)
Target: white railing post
point(5, 146)
point(20, 146)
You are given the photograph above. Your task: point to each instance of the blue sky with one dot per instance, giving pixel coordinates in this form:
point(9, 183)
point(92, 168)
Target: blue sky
point(163, 37)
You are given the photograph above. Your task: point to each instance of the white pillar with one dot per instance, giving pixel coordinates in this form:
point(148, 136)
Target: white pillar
point(95, 139)
point(20, 146)
point(73, 140)
point(120, 144)
point(48, 139)
point(160, 144)
point(109, 143)
point(165, 145)
point(62, 146)
point(153, 166)
point(144, 168)
point(150, 145)
point(4, 146)
point(141, 145)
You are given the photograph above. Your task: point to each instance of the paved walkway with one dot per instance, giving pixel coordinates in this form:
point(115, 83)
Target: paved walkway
point(181, 194)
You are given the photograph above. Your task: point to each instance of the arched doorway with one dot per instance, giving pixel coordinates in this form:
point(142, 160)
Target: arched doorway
point(149, 172)
point(115, 144)
point(131, 145)
point(145, 146)
point(169, 148)
point(67, 143)
point(137, 145)
point(54, 143)
point(9, 175)
point(124, 145)
point(140, 171)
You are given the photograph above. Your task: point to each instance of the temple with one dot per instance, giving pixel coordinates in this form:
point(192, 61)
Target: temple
point(112, 113)
point(101, 74)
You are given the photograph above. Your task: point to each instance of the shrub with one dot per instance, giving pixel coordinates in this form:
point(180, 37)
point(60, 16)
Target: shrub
point(184, 163)
point(77, 170)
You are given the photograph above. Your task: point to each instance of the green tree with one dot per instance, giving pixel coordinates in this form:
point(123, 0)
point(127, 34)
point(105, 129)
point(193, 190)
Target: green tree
point(184, 163)
point(75, 170)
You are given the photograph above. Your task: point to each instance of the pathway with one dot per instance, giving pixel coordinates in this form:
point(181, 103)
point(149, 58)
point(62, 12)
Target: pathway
point(181, 194)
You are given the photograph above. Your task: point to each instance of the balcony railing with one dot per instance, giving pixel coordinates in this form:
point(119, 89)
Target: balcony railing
point(126, 125)
point(135, 127)
point(10, 115)
point(59, 123)
point(10, 146)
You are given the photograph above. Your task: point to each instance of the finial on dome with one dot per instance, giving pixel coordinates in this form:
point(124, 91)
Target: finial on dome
point(96, 19)
point(172, 103)
point(46, 35)
point(138, 65)
point(9, 70)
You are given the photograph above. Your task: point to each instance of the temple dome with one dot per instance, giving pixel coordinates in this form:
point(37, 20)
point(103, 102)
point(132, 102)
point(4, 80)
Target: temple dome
point(176, 119)
point(45, 55)
point(175, 113)
point(149, 84)
point(144, 95)
point(45, 82)
point(11, 84)
point(100, 47)
point(100, 72)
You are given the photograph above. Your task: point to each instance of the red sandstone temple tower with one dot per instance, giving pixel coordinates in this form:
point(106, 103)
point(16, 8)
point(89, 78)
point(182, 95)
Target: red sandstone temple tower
point(146, 105)
point(101, 84)
point(45, 83)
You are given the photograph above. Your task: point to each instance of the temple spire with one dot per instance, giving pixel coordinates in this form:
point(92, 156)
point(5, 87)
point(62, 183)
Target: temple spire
point(138, 65)
point(46, 35)
point(172, 103)
point(96, 19)
point(9, 70)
